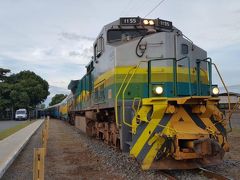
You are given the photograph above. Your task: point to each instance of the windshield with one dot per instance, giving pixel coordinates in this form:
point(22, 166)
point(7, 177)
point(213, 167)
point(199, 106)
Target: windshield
point(121, 34)
point(21, 112)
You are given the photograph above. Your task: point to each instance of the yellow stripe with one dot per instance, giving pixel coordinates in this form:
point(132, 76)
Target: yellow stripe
point(157, 111)
point(63, 109)
point(205, 117)
point(149, 158)
point(147, 162)
point(166, 74)
point(83, 96)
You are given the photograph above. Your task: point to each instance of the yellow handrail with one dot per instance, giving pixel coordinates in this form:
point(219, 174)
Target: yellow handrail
point(116, 98)
point(126, 86)
point(133, 107)
point(235, 107)
point(123, 94)
point(229, 102)
point(120, 89)
point(225, 87)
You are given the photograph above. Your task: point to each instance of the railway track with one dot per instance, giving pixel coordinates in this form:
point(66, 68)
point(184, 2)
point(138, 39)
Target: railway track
point(168, 175)
point(213, 175)
point(205, 172)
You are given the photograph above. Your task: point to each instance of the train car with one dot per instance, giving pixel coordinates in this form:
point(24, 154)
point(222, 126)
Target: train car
point(71, 102)
point(63, 108)
point(60, 110)
point(36, 113)
point(53, 111)
point(148, 91)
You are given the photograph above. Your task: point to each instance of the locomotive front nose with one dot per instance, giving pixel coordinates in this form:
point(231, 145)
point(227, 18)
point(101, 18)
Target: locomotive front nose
point(178, 133)
point(195, 148)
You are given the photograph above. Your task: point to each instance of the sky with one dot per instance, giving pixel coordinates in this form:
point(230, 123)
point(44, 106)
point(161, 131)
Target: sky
point(54, 38)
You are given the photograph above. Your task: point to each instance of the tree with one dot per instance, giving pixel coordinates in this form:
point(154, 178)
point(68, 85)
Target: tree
point(22, 90)
point(20, 99)
point(3, 73)
point(31, 88)
point(57, 99)
point(5, 100)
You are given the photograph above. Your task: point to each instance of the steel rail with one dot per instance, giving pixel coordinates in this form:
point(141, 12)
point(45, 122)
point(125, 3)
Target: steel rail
point(167, 175)
point(210, 174)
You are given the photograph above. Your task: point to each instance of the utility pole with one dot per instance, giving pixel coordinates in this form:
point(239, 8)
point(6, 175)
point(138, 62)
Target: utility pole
point(12, 114)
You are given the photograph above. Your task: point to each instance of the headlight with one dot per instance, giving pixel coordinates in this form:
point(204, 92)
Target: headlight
point(151, 22)
point(148, 22)
point(145, 22)
point(215, 91)
point(158, 90)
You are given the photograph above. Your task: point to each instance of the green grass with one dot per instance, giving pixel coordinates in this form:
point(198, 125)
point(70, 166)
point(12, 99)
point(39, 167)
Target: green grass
point(7, 132)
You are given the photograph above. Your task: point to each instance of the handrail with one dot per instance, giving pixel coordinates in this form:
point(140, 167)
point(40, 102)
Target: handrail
point(135, 68)
point(175, 70)
point(225, 87)
point(209, 71)
point(123, 93)
point(235, 107)
point(189, 73)
point(133, 104)
point(229, 102)
point(116, 98)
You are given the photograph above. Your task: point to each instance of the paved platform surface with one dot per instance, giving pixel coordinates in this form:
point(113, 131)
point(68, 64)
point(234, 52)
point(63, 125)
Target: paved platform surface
point(8, 124)
point(11, 146)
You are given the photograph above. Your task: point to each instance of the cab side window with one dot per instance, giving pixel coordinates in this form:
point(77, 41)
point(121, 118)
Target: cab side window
point(184, 49)
point(98, 48)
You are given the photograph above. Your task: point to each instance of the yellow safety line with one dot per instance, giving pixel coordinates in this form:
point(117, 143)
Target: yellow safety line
point(137, 147)
point(133, 107)
point(147, 162)
point(116, 99)
point(229, 102)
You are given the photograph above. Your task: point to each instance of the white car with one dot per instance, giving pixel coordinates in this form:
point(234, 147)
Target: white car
point(21, 114)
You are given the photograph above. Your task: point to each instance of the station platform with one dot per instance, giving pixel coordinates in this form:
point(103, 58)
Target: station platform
point(11, 146)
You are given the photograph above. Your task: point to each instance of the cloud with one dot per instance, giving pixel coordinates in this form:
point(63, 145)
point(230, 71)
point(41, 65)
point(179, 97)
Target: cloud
point(66, 50)
point(58, 63)
point(74, 53)
point(56, 43)
point(85, 53)
point(75, 37)
point(236, 12)
point(210, 24)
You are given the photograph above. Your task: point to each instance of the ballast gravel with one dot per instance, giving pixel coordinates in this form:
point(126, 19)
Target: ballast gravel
point(121, 163)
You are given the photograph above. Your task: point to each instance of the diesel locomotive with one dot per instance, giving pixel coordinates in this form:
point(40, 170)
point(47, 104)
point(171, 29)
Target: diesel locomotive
point(148, 91)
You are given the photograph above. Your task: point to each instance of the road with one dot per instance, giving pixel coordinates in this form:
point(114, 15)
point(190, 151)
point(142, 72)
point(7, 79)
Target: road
point(8, 124)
